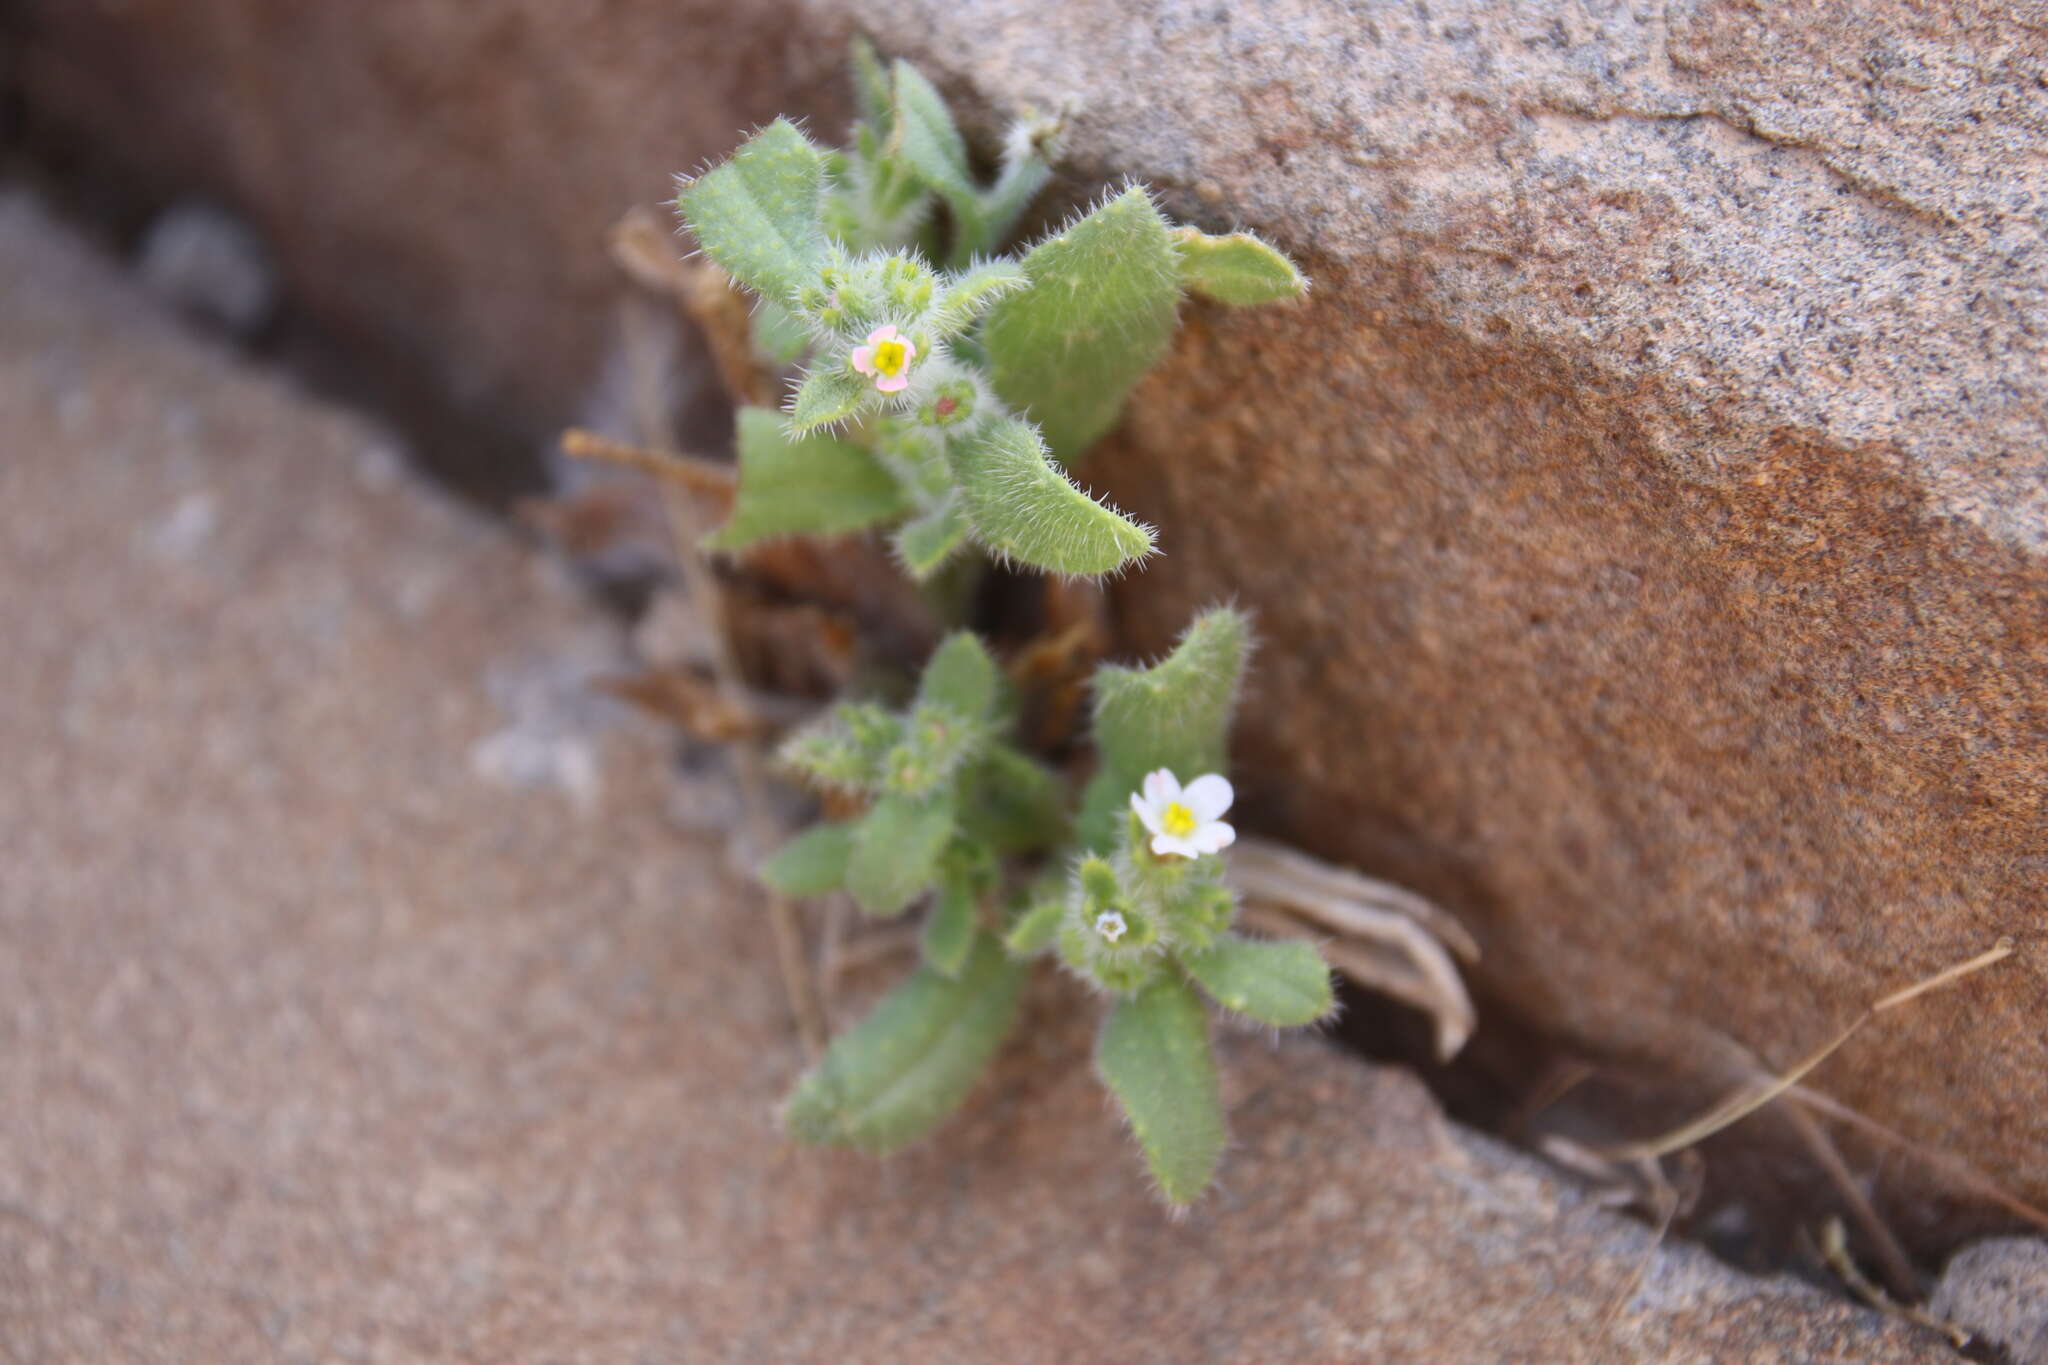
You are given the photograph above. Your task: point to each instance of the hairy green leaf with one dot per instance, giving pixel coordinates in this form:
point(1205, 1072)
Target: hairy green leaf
point(1024, 508)
point(803, 485)
point(759, 215)
point(949, 931)
point(1034, 933)
point(1175, 714)
point(973, 292)
point(1013, 803)
point(926, 139)
point(891, 1078)
point(961, 676)
point(872, 93)
point(1099, 311)
point(1238, 269)
point(777, 333)
point(896, 849)
point(1280, 983)
point(924, 543)
point(826, 396)
point(813, 863)
point(1154, 1056)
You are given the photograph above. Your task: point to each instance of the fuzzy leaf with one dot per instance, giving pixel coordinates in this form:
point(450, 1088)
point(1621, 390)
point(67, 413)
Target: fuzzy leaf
point(1281, 983)
point(803, 485)
point(1026, 167)
point(813, 863)
point(1175, 714)
point(824, 397)
point(961, 676)
point(1022, 506)
point(929, 142)
point(1154, 1056)
point(926, 542)
point(891, 1078)
point(759, 215)
point(778, 333)
point(1099, 311)
point(1013, 803)
point(896, 850)
point(1034, 933)
point(973, 292)
point(871, 91)
point(1238, 269)
point(949, 931)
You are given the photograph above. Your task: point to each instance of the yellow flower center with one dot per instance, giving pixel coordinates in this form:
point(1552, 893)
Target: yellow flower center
point(890, 358)
point(1178, 820)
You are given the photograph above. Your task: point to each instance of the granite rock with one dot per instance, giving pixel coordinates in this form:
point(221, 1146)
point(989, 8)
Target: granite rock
point(1645, 515)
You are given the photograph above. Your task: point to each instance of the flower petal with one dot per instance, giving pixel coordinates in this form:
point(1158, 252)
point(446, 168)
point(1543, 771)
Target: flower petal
point(1162, 788)
point(886, 332)
point(1213, 837)
point(1164, 844)
point(1208, 796)
point(895, 383)
point(909, 351)
point(864, 359)
point(1147, 813)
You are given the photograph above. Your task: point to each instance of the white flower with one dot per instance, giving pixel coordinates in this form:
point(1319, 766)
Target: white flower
point(1111, 925)
point(1184, 821)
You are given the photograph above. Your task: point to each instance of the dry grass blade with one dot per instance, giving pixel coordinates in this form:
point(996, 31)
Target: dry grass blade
point(700, 478)
point(1954, 1167)
point(1891, 1257)
point(1834, 1248)
point(1746, 1102)
point(1344, 901)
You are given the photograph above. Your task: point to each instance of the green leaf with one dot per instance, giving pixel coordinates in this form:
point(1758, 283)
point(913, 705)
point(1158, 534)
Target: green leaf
point(760, 215)
point(973, 292)
point(813, 863)
point(826, 396)
point(1281, 983)
point(871, 91)
point(1099, 311)
point(1034, 933)
point(1023, 507)
point(1238, 269)
point(961, 676)
point(778, 333)
point(803, 485)
point(1013, 803)
point(1025, 169)
point(896, 850)
point(1175, 715)
point(1154, 1056)
point(927, 140)
point(926, 542)
point(949, 931)
point(891, 1078)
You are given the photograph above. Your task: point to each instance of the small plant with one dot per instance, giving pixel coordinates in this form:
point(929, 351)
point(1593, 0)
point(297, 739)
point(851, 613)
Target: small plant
point(943, 391)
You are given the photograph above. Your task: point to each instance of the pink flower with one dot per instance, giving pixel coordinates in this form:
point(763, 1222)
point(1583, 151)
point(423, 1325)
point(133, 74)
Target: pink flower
point(886, 358)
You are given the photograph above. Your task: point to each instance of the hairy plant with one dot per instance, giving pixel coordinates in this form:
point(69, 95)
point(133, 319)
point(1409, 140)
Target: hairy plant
point(944, 390)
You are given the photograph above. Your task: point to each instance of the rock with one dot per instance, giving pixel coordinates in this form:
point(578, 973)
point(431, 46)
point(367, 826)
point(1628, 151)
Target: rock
point(1998, 1289)
point(1645, 516)
point(206, 262)
point(321, 1046)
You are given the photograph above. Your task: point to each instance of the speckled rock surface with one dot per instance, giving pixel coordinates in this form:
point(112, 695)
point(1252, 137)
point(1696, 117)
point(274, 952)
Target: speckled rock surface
point(342, 1022)
point(1999, 1290)
point(1645, 516)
